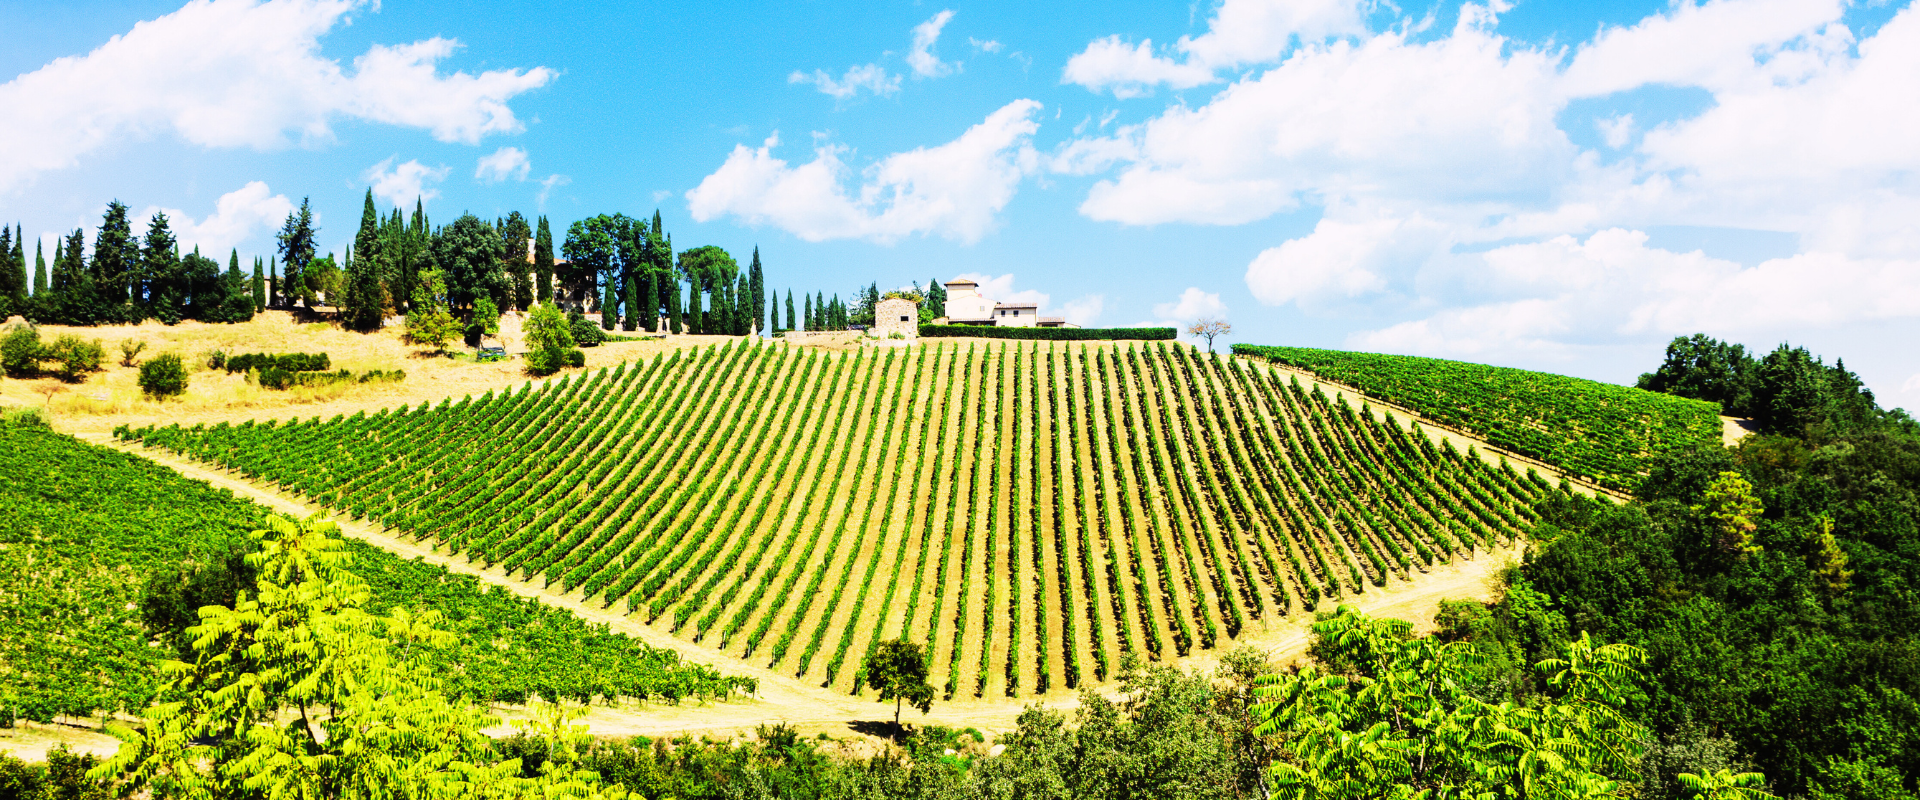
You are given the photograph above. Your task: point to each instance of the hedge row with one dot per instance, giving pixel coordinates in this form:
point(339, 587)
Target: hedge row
point(276, 378)
point(1054, 334)
point(291, 362)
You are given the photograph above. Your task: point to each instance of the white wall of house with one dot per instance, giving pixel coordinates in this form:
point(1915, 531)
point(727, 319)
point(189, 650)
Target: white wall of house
point(965, 304)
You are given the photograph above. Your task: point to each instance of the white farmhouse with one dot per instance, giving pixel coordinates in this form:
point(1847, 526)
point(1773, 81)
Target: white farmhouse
point(967, 306)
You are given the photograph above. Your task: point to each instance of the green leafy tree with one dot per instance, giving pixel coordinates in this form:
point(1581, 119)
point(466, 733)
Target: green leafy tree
point(897, 669)
point(428, 320)
point(1726, 785)
point(298, 691)
point(163, 376)
point(936, 298)
point(1387, 715)
point(467, 253)
point(485, 321)
point(297, 251)
point(549, 338)
point(1732, 514)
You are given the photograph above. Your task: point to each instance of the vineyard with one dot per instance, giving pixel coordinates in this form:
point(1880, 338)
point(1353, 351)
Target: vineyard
point(86, 527)
point(1031, 511)
point(1592, 430)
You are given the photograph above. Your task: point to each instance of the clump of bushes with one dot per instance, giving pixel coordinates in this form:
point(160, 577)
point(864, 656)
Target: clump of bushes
point(550, 340)
point(69, 358)
point(163, 376)
point(290, 362)
point(22, 417)
point(277, 378)
point(585, 334)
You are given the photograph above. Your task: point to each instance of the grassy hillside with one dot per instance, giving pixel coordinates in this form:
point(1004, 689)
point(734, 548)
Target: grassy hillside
point(85, 528)
point(1032, 511)
point(1598, 431)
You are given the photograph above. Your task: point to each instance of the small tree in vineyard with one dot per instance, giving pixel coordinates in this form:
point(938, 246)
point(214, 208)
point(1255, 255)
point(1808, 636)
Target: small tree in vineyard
point(1209, 327)
point(898, 670)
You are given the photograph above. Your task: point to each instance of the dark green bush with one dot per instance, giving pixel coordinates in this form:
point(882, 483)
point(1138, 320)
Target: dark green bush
point(586, 334)
point(76, 357)
point(290, 362)
point(20, 352)
point(1050, 334)
point(163, 376)
point(275, 378)
point(545, 362)
point(576, 358)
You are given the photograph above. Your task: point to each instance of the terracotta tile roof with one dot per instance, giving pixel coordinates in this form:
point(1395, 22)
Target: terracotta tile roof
point(1016, 305)
point(961, 282)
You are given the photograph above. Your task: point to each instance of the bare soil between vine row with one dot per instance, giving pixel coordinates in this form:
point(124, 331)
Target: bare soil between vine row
point(781, 698)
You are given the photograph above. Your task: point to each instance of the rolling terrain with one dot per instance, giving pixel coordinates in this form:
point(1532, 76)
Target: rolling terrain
point(1032, 512)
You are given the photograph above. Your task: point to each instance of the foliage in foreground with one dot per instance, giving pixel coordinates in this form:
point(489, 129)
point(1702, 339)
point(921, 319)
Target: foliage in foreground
point(297, 691)
point(1605, 433)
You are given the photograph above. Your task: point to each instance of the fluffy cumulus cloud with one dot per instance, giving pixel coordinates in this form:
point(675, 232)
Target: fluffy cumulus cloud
point(1241, 32)
point(402, 184)
point(1084, 311)
point(920, 56)
point(999, 288)
point(953, 190)
point(1482, 195)
point(237, 217)
point(1192, 304)
point(252, 77)
point(504, 163)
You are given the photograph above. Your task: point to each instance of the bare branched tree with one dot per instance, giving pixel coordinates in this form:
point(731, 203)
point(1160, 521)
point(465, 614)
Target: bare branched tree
point(1209, 327)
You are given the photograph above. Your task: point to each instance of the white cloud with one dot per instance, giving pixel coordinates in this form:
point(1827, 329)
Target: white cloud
point(252, 76)
point(1720, 45)
point(1192, 304)
point(1339, 259)
point(870, 77)
point(1241, 32)
point(1616, 131)
point(999, 288)
point(984, 45)
point(402, 184)
point(504, 163)
point(954, 190)
point(1468, 116)
point(920, 57)
point(555, 181)
point(1084, 311)
point(238, 216)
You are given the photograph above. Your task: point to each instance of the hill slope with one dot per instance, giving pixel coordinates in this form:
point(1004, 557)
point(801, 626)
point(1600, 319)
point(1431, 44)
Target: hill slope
point(1031, 511)
point(86, 527)
point(1592, 430)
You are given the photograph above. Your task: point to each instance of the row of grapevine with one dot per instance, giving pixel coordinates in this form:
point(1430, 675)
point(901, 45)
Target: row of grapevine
point(1032, 511)
point(1592, 430)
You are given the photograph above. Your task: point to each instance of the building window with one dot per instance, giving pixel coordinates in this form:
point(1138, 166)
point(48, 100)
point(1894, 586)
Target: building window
point(905, 319)
point(1016, 312)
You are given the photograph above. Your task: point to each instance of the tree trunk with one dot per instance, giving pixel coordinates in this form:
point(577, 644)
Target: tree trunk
point(896, 713)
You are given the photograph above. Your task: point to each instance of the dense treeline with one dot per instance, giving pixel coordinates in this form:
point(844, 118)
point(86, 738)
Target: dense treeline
point(1788, 391)
point(1771, 584)
point(128, 278)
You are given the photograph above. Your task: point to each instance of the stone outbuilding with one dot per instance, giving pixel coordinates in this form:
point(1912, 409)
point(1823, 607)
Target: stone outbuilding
point(896, 315)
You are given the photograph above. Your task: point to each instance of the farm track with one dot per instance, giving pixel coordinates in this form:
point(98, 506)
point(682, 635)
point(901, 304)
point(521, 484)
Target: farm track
point(1033, 512)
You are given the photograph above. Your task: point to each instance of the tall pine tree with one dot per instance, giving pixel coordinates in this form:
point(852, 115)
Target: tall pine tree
point(758, 281)
point(259, 285)
point(543, 262)
point(673, 304)
point(297, 250)
point(790, 318)
point(696, 320)
point(360, 308)
point(159, 291)
point(116, 258)
point(806, 302)
point(39, 268)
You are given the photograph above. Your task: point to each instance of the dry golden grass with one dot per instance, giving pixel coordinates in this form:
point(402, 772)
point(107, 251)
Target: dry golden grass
point(112, 397)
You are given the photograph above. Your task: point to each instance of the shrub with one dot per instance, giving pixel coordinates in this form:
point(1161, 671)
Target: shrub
point(1054, 334)
point(586, 334)
point(216, 359)
point(545, 362)
point(163, 376)
point(20, 352)
point(76, 356)
point(275, 378)
point(576, 358)
point(22, 417)
point(290, 362)
point(130, 352)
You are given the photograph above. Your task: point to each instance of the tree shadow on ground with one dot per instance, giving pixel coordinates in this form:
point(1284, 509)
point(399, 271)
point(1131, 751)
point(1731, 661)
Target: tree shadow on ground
point(884, 729)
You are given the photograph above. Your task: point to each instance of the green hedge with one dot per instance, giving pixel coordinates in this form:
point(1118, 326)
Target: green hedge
point(291, 362)
point(1054, 334)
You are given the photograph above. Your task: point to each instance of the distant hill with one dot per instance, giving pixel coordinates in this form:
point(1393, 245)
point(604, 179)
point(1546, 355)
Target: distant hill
point(1032, 510)
point(1598, 431)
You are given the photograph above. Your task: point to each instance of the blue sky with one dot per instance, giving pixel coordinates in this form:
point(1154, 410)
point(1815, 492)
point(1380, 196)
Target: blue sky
point(1558, 186)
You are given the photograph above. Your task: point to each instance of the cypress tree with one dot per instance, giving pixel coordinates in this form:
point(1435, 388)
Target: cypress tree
point(275, 294)
point(695, 319)
point(747, 308)
point(632, 322)
point(790, 317)
point(39, 268)
point(516, 233)
point(259, 286)
point(806, 302)
point(17, 275)
point(936, 298)
point(758, 280)
point(297, 246)
point(360, 305)
point(158, 291)
point(543, 262)
point(116, 256)
point(610, 301)
point(12, 283)
point(673, 303)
